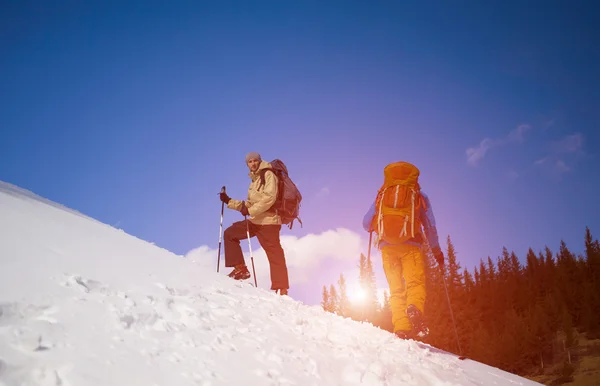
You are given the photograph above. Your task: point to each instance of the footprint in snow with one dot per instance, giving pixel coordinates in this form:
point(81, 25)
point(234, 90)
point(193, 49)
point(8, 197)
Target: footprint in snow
point(218, 310)
point(31, 341)
point(42, 376)
point(26, 327)
point(11, 313)
point(275, 377)
point(85, 285)
point(173, 291)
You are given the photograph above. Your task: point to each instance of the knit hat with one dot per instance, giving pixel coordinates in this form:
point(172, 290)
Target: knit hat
point(254, 155)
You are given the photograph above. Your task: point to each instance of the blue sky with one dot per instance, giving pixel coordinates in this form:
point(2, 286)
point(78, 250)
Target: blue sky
point(136, 113)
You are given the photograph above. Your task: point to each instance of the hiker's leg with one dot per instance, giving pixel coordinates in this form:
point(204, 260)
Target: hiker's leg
point(268, 237)
point(413, 263)
point(231, 243)
point(392, 267)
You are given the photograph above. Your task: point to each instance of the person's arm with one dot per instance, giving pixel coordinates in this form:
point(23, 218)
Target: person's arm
point(368, 218)
point(428, 220)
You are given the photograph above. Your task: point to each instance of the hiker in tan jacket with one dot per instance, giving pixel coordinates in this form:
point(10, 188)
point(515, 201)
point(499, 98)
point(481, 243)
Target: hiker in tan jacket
point(260, 221)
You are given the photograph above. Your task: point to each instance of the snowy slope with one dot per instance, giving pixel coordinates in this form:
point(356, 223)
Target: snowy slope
point(82, 303)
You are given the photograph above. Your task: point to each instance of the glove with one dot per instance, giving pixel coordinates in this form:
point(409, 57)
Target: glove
point(224, 197)
point(244, 209)
point(439, 256)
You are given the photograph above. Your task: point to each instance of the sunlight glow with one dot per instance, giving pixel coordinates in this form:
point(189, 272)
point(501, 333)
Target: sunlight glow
point(357, 295)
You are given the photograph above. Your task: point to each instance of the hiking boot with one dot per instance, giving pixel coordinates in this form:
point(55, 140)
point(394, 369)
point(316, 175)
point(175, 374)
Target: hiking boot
point(418, 321)
point(240, 273)
point(402, 334)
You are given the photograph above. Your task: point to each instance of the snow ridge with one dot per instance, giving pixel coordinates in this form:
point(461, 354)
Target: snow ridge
point(82, 303)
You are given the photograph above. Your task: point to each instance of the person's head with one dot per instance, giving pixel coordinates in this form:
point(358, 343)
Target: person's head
point(253, 161)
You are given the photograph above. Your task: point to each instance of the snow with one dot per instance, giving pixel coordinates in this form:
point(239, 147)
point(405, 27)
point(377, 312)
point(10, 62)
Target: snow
point(83, 303)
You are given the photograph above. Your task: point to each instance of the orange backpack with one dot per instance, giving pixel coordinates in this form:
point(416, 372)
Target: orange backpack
point(398, 204)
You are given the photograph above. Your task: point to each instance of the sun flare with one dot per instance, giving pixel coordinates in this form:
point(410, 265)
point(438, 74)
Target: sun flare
point(357, 295)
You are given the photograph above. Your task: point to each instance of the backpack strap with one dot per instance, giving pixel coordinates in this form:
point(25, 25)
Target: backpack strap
point(261, 175)
point(380, 213)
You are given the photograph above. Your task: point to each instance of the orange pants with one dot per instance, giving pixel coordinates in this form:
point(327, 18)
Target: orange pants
point(404, 268)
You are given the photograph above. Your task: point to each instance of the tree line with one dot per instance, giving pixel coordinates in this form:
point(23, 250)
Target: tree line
point(517, 315)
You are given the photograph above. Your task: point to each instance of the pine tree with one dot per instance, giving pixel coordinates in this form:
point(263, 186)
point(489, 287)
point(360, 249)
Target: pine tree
point(589, 311)
point(592, 252)
point(325, 303)
point(517, 284)
point(344, 303)
point(437, 314)
point(505, 295)
point(454, 277)
point(362, 269)
point(469, 282)
point(334, 301)
point(532, 276)
point(508, 342)
point(491, 269)
point(549, 273)
point(494, 290)
point(372, 302)
point(370, 305)
point(569, 282)
point(540, 336)
point(592, 287)
point(456, 293)
point(567, 328)
point(470, 317)
point(515, 265)
point(484, 295)
point(386, 313)
point(386, 302)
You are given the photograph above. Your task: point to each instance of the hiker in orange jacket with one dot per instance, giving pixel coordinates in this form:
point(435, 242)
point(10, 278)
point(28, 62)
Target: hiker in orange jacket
point(261, 221)
point(402, 218)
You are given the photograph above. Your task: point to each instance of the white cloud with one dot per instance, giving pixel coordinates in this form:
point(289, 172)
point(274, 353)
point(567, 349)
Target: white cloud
point(561, 167)
point(570, 144)
point(206, 257)
point(309, 250)
point(303, 254)
point(477, 153)
point(548, 123)
point(563, 154)
point(324, 192)
point(513, 174)
point(518, 134)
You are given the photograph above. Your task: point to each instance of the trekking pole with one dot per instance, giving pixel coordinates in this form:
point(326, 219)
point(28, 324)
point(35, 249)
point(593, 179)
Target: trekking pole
point(451, 313)
point(370, 240)
point(250, 247)
point(220, 230)
point(368, 259)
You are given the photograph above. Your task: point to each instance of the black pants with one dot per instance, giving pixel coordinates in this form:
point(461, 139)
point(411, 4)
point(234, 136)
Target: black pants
point(268, 237)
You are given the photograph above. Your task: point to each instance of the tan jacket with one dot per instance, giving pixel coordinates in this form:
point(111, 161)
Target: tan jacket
point(260, 201)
